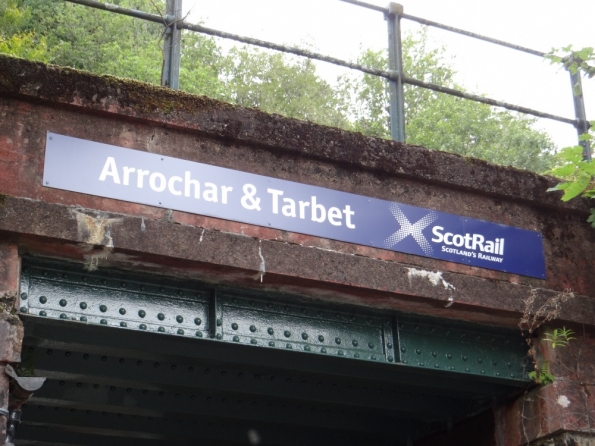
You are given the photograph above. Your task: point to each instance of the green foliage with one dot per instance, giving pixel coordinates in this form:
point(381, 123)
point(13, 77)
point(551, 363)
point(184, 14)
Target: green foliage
point(574, 60)
point(444, 122)
point(560, 337)
point(14, 40)
point(541, 375)
point(277, 83)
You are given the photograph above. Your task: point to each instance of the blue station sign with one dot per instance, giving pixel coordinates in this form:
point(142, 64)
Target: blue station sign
point(140, 177)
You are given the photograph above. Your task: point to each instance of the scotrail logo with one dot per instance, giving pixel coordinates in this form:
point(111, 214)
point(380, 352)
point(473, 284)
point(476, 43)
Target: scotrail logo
point(408, 229)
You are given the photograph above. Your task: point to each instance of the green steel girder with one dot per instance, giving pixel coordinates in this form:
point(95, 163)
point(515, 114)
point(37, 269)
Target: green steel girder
point(136, 302)
point(135, 358)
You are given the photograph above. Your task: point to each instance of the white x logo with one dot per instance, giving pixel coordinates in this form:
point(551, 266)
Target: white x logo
point(410, 229)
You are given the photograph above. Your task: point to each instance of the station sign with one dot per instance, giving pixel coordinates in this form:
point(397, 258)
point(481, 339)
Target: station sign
point(135, 176)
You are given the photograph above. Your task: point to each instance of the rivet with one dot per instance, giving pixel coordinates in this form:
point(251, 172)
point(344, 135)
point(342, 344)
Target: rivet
point(270, 331)
point(304, 336)
point(403, 349)
point(83, 305)
point(371, 345)
point(43, 299)
point(122, 361)
point(197, 321)
point(355, 343)
point(161, 330)
point(434, 354)
point(24, 296)
point(373, 358)
point(102, 308)
point(83, 319)
point(179, 319)
point(234, 326)
point(307, 348)
point(436, 366)
point(122, 311)
point(509, 364)
point(24, 309)
point(218, 322)
point(142, 313)
point(483, 372)
point(271, 344)
point(198, 334)
point(464, 357)
point(421, 364)
point(103, 322)
point(467, 370)
point(180, 331)
point(63, 316)
point(494, 362)
point(161, 316)
point(338, 341)
point(236, 339)
point(479, 360)
point(252, 328)
point(253, 341)
point(142, 326)
point(323, 350)
point(390, 359)
point(123, 284)
point(389, 345)
point(289, 346)
point(123, 324)
point(497, 373)
point(63, 302)
point(218, 336)
point(340, 352)
point(43, 313)
point(356, 355)
point(449, 356)
point(287, 333)
point(451, 367)
point(321, 338)
point(418, 351)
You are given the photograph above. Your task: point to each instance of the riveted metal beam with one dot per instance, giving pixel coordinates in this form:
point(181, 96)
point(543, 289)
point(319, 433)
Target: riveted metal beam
point(192, 310)
point(142, 347)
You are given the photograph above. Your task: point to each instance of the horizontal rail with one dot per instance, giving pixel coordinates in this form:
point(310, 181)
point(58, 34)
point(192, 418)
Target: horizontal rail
point(473, 35)
point(390, 75)
point(367, 5)
point(488, 101)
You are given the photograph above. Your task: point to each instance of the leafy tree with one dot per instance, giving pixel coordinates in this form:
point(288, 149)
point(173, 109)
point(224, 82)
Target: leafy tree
point(13, 40)
point(443, 122)
point(277, 83)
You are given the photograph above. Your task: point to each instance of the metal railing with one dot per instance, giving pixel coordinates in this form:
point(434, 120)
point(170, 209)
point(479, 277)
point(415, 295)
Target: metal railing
point(174, 24)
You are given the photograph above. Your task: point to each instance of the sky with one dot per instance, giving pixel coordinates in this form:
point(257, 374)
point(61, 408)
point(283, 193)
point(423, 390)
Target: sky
point(342, 30)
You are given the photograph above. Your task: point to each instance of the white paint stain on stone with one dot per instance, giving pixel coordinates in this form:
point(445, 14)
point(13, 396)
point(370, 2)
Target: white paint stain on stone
point(95, 230)
point(563, 401)
point(435, 278)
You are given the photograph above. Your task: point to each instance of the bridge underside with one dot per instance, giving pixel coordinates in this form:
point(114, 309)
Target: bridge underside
point(132, 359)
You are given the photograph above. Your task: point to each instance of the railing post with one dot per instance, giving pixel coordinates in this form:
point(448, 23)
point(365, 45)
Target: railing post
point(582, 125)
point(170, 73)
point(395, 61)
